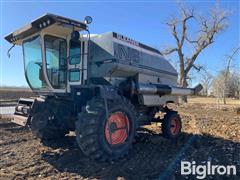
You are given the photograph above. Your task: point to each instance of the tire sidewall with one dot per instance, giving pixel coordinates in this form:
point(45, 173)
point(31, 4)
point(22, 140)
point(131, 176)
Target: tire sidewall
point(118, 149)
point(167, 125)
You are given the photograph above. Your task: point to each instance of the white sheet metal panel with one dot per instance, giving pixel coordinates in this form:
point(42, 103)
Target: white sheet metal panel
point(156, 100)
point(126, 56)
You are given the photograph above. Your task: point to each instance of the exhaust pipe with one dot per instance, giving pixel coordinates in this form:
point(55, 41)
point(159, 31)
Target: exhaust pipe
point(162, 89)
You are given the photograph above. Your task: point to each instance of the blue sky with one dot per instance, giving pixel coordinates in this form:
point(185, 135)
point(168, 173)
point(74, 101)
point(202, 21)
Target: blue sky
point(142, 21)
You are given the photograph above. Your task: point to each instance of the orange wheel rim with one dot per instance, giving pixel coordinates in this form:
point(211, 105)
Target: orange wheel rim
point(175, 126)
point(117, 128)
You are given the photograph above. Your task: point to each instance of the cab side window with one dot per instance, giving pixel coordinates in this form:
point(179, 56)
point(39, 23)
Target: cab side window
point(75, 52)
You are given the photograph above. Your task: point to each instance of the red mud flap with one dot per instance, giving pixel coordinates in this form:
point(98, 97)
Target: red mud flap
point(21, 115)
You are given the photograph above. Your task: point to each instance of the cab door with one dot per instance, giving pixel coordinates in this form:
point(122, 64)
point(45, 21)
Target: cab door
point(74, 63)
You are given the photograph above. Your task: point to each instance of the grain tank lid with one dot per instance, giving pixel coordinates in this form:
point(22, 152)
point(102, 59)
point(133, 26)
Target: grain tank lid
point(135, 43)
point(40, 23)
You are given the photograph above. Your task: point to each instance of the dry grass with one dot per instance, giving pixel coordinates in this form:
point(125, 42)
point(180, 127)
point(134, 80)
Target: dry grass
point(212, 100)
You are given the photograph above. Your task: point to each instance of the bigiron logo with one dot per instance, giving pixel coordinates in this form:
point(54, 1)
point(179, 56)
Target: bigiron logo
point(203, 170)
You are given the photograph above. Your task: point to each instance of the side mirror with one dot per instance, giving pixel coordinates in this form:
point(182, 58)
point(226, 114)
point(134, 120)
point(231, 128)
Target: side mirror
point(88, 20)
point(8, 52)
point(75, 36)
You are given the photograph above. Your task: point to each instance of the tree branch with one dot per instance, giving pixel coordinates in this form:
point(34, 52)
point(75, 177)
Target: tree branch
point(173, 25)
point(186, 17)
point(209, 26)
point(169, 51)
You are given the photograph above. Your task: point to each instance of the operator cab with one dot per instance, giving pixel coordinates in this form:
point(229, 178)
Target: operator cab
point(54, 52)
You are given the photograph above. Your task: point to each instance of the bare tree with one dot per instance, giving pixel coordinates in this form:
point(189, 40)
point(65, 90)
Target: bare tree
point(209, 26)
point(206, 81)
point(227, 71)
point(219, 88)
point(234, 85)
point(226, 86)
point(227, 83)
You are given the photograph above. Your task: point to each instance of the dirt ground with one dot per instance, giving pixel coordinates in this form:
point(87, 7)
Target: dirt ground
point(10, 96)
point(209, 134)
point(14, 93)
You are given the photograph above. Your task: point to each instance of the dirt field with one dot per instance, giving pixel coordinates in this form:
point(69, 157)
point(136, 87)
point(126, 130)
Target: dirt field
point(10, 96)
point(209, 134)
point(14, 93)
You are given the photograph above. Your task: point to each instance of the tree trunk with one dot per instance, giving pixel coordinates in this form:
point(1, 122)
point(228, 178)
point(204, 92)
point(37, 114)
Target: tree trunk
point(183, 83)
point(224, 97)
point(224, 100)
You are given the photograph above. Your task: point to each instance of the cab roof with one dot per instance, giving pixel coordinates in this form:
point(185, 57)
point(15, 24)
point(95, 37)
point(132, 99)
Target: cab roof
point(41, 23)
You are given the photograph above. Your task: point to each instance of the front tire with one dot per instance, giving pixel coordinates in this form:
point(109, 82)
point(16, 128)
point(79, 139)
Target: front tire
point(43, 129)
point(106, 138)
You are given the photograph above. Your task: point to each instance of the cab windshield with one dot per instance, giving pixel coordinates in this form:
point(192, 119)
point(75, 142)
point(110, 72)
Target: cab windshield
point(33, 63)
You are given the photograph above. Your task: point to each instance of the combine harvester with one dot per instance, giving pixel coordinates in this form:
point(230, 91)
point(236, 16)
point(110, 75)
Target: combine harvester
point(102, 86)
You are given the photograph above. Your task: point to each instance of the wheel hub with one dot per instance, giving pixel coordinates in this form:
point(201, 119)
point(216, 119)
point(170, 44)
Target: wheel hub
point(117, 128)
point(113, 127)
point(175, 126)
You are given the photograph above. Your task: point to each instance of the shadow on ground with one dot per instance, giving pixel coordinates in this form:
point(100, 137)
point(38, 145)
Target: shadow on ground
point(152, 157)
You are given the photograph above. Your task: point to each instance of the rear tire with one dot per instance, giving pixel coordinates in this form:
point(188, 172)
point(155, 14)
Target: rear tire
point(171, 125)
point(102, 138)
